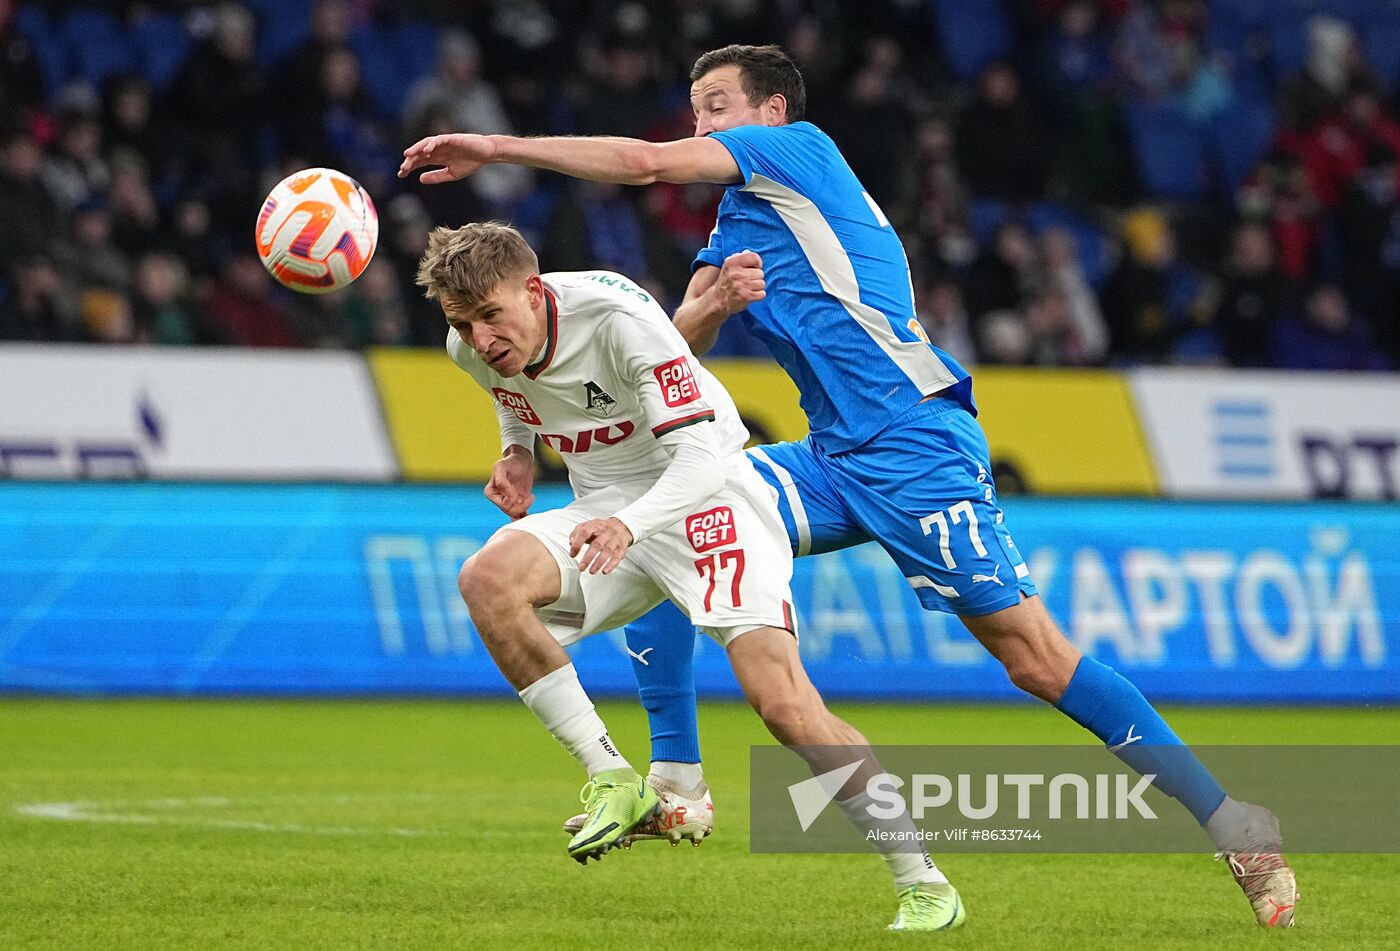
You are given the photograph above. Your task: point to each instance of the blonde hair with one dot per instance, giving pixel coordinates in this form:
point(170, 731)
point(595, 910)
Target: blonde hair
point(469, 262)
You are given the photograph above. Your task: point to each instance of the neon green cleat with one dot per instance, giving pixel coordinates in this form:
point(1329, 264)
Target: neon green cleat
point(928, 907)
point(615, 801)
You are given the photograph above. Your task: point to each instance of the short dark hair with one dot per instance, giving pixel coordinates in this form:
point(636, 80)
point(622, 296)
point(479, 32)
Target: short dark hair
point(763, 71)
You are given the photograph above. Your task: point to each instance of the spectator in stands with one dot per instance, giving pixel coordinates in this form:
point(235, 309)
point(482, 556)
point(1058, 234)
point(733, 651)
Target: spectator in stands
point(162, 312)
point(128, 118)
point(1334, 66)
point(90, 258)
point(244, 308)
point(1253, 297)
point(343, 131)
point(29, 219)
point(107, 316)
point(458, 99)
point(1093, 164)
point(622, 99)
point(1370, 234)
point(36, 308)
point(1054, 341)
point(76, 171)
point(135, 214)
point(596, 225)
point(944, 319)
point(1002, 146)
point(1152, 299)
point(944, 235)
point(21, 76)
point(374, 314)
point(1004, 339)
point(1062, 274)
point(219, 104)
point(1280, 195)
point(406, 224)
point(875, 131)
point(302, 69)
point(1326, 336)
point(1002, 274)
point(189, 234)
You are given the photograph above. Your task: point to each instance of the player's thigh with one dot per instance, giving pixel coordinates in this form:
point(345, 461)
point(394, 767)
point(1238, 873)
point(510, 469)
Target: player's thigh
point(924, 491)
point(587, 603)
point(728, 566)
point(813, 511)
point(511, 565)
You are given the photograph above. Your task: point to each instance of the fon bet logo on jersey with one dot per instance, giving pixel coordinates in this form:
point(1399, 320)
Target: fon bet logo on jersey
point(517, 404)
point(677, 382)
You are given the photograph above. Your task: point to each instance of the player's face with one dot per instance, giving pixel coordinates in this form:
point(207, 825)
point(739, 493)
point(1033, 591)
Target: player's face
point(719, 102)
point(507, 328)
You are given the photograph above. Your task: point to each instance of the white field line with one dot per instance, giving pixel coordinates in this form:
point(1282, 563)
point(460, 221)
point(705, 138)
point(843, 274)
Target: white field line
point(146, 812)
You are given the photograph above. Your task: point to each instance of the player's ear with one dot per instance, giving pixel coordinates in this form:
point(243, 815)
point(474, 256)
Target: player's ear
point(534, 290)
point(775, 109)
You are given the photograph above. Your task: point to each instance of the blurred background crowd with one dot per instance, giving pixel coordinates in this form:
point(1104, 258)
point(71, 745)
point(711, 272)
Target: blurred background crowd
point(1077, 182)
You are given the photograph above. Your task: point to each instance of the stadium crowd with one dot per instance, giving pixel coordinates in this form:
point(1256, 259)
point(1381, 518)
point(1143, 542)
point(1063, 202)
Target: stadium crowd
point(1078, 182)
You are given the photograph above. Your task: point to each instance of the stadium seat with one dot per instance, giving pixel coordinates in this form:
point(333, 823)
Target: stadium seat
point(1381, 40)
point(34, 25)
point(161, 44)
point(283, 25)
point(1242, 13)
point(1240, 137)
point(379, 69)
point(1170, 153)
point(985, 216)
point(98, 45)
point(416, 45)
point(973, 32)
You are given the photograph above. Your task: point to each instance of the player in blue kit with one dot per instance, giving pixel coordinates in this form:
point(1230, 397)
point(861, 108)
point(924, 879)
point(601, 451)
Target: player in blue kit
point(894, 453)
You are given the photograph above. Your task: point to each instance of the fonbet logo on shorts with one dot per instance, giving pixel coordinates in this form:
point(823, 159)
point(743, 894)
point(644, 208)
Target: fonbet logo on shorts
point(989, 796)
point(677, 382)
point(710, 529)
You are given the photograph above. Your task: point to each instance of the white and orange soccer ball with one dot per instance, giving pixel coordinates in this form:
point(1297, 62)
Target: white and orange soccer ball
point(317, 231)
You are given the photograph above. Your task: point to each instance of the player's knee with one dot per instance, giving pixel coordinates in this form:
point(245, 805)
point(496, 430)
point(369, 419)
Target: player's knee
point(788, 718)
point(1030, 672)
point(485, 581)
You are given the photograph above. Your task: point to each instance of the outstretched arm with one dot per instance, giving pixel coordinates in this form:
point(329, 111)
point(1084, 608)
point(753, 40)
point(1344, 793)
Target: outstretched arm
point(715, 294)
point(597, 158)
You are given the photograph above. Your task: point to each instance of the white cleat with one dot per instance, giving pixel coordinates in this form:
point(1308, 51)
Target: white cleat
point(1256, 860)
point(685, 814)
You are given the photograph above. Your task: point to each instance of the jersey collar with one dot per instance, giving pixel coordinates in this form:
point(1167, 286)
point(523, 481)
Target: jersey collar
point(551, 340)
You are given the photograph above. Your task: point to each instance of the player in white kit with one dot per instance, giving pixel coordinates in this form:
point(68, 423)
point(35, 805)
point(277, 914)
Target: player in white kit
point(666, 506)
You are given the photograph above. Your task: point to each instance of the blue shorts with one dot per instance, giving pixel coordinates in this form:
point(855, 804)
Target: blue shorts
point(923, 490)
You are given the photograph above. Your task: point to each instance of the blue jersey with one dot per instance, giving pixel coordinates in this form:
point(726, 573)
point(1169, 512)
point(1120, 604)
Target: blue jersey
point(839, 312)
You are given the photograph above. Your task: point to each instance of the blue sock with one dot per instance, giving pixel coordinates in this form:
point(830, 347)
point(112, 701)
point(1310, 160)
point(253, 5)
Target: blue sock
point(665, 640)
point(1105, 703)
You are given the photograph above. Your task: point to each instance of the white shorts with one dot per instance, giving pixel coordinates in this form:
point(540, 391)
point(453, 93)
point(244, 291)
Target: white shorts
point(727, 565)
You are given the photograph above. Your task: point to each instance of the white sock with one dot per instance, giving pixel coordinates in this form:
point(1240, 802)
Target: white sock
point(684, 776)
point(1226, 821)
point(896, 842)
point(558, 700)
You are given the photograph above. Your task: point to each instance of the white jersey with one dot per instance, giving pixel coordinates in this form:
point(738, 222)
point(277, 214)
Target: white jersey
point(615, 380)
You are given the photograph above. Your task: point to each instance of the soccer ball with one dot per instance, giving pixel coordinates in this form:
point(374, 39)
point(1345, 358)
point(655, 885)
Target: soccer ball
point(317, 231)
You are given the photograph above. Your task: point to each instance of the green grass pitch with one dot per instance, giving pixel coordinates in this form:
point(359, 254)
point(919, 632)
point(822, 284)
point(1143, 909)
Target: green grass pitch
point(404, 825)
